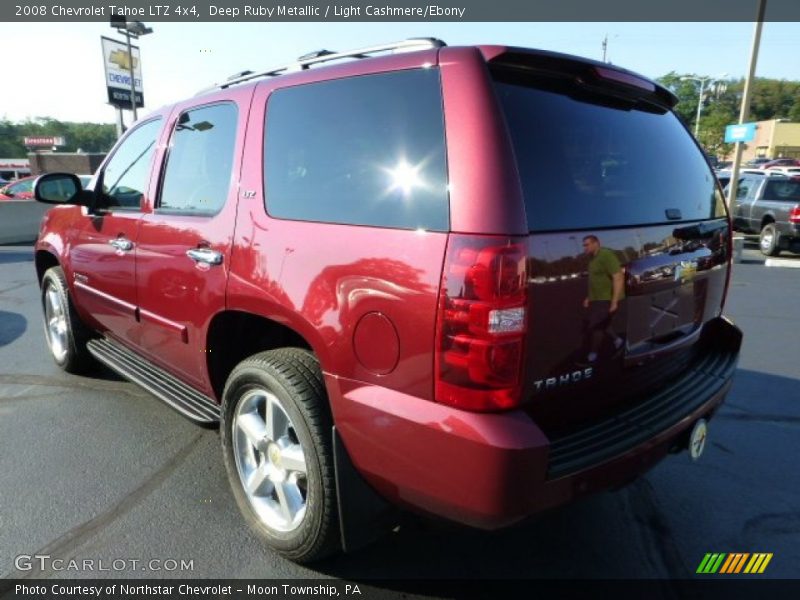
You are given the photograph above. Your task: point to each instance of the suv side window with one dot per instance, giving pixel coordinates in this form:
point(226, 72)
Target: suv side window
point(755, 186)
point(745, 184)
point(200, 160)
point(367, 150)
point(127, 174)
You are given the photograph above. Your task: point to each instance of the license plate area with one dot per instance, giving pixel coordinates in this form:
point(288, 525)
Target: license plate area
point(664, 319)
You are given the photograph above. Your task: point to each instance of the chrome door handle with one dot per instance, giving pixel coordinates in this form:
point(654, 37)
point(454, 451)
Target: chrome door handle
point(205, 255)
point(121, 244)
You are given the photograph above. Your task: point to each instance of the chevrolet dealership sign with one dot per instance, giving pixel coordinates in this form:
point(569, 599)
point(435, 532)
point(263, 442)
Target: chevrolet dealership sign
point(118, 75)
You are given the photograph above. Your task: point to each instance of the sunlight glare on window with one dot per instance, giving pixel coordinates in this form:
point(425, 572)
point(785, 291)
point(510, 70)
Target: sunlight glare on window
point(405, 177)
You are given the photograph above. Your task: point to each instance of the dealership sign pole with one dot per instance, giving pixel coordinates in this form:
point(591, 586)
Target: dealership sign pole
point(133, 78)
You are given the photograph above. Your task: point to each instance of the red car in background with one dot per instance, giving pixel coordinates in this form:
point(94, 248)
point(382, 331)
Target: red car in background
point(781, 162)
point(21, 189)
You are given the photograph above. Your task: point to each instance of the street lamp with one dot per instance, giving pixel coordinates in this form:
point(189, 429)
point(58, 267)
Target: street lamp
point(703, 81)
point(131, 29)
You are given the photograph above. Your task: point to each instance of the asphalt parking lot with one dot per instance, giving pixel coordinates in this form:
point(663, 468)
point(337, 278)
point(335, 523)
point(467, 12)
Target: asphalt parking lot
point(95, 468)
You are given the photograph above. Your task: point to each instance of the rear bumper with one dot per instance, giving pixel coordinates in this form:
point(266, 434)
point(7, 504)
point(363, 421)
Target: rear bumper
point(789, 234)
point(492, 470)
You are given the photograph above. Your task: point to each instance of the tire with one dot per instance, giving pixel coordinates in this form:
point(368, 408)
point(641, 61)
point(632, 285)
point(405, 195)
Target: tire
point(65, 333)
point(291, 502)
point(769, 240)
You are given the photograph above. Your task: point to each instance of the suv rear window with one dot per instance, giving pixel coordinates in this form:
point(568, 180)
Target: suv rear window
point(783, 189)
point(366, 150)
point(589, 161)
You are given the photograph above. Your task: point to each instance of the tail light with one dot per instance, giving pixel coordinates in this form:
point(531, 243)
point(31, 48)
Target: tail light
point(794, 214)
point(481, 323)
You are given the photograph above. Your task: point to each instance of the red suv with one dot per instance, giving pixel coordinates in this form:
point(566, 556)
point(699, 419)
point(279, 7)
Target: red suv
point(470, 282)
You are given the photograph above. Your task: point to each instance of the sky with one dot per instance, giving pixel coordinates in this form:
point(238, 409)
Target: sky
point(56, 69)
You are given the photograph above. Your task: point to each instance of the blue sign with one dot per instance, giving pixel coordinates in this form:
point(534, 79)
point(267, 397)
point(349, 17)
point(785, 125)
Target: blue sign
point(746, 132)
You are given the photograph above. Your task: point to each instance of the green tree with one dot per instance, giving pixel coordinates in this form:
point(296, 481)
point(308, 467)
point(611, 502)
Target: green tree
point(87, 137)
point(687, 93)
point(794, 112)
point(10, 142)
point(770, 99)
point(773, 98)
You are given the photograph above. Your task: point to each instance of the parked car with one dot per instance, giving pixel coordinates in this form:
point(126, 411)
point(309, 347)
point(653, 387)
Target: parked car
point(724, 175)
point(780, 162)
point(784, 170)
point(406, 281)
point(757, 162)
point(21, 189)
point(770, 206)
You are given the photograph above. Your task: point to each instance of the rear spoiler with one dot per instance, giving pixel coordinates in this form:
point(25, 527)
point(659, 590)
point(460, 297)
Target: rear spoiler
point(589, 74)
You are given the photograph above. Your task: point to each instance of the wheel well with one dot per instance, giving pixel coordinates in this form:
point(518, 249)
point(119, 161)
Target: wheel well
point(234, 335)
point(765, 220)
point(44, 260)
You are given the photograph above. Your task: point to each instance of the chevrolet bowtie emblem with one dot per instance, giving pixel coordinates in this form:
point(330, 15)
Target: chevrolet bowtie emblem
point(121, 59)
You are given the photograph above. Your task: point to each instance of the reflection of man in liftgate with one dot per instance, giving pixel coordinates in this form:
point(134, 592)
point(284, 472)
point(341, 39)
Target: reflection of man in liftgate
point(606, 290)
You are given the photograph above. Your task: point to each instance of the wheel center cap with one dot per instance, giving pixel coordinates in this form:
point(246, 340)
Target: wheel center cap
point(274, 455)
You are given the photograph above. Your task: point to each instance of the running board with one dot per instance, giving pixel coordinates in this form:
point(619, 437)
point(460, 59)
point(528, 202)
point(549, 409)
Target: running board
point(190, 403)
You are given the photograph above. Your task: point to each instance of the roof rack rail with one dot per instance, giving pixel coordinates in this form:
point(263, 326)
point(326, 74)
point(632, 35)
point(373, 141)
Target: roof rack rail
point(238, 75)
point(322, 56)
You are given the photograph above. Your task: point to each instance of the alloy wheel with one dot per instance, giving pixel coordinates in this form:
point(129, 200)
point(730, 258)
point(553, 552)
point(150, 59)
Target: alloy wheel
point(270, 460)
point(766, 241)
point(55, 321)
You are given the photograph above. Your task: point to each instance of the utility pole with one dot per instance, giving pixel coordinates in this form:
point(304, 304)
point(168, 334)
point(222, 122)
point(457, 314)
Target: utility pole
point(744, 112)
point(604, 44)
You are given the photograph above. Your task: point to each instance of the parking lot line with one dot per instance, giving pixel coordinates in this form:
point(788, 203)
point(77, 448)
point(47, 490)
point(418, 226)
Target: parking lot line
point(782, 262)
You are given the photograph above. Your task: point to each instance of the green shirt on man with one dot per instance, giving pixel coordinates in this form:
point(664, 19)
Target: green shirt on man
point(603, 266)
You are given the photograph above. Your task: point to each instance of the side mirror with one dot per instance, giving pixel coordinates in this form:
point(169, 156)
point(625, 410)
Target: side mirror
point(58, 188)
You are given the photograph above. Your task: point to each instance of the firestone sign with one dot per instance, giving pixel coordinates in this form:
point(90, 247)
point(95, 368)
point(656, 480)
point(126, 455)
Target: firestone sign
point(117, 65)
point(44, 141)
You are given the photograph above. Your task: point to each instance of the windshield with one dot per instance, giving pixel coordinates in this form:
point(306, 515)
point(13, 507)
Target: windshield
point(587, 162)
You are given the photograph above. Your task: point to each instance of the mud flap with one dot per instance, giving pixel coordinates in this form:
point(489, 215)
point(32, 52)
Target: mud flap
point(363, 515)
